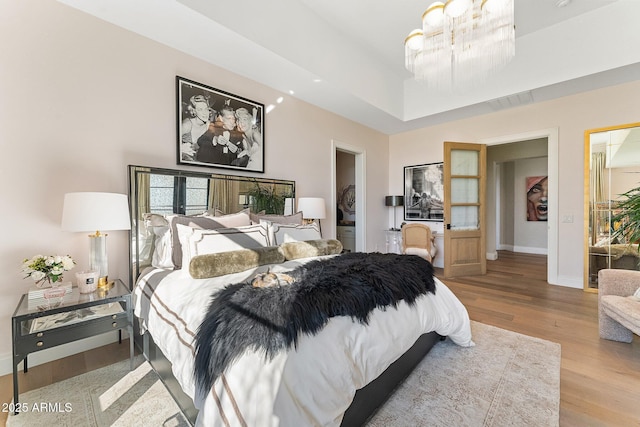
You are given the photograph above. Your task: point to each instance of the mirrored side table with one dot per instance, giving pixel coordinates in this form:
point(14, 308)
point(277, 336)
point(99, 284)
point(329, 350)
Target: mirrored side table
point(38, 324)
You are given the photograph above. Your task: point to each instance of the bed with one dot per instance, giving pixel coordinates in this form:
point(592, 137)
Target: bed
point(337, 376)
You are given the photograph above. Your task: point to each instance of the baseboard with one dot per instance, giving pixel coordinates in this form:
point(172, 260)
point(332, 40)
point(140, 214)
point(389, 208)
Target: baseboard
point(521, 249)
point(570, 282)
point(492, 256)
point(530, 250)
point(64, 350)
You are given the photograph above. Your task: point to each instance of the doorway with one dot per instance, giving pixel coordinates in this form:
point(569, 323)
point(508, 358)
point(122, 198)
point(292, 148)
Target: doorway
point(551, 136)
point(516, 170)
point(348, 195)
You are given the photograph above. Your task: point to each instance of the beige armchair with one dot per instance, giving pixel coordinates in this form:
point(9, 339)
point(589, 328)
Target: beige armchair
point(618, 310)
point(417, 239)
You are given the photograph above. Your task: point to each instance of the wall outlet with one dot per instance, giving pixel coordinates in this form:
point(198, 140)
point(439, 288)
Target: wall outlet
point(568, 218)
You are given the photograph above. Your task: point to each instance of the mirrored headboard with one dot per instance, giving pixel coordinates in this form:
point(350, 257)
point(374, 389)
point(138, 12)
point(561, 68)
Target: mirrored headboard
point(172, 191)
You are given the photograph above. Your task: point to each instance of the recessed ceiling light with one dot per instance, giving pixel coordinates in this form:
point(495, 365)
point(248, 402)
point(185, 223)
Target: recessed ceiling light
point(562, 3)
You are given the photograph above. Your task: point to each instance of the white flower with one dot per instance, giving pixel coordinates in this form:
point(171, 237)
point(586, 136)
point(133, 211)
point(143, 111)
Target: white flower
point(67, 263)
point(40, 267)
point(37, 275)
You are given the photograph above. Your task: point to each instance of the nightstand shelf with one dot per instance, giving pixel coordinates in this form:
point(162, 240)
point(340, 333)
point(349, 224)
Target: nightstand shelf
point(39, 326)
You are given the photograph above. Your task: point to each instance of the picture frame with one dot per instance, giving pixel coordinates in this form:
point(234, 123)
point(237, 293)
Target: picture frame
point(217, 128)
point(424, 192)
point(536, 193)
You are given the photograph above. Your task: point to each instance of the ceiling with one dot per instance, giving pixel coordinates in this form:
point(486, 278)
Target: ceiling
point(347, 56)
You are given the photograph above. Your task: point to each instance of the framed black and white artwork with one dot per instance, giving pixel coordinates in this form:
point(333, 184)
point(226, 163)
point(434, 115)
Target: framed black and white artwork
point(218, 129)
point(424, 192)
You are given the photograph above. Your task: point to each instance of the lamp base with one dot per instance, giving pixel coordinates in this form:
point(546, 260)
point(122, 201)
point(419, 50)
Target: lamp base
point(98, 255)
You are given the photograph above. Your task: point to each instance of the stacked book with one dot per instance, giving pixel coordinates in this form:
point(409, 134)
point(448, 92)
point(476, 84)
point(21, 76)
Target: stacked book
point(46, 298)
point(35, 293)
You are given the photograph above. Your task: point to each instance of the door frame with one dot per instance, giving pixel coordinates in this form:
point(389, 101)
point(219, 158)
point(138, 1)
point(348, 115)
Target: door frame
point(360, 172)
point(553, 172)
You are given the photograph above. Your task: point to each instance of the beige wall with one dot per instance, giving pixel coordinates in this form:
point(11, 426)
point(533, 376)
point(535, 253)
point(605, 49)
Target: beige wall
point(80, 99)
point(570, 115)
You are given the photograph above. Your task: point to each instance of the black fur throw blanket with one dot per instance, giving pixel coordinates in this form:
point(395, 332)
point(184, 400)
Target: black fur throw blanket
point(270, 319)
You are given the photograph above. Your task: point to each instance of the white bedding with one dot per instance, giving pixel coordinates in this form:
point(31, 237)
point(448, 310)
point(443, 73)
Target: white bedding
point(311, 385)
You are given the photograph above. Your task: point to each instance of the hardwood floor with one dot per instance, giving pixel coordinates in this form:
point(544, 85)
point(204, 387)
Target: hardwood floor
point(599, 379)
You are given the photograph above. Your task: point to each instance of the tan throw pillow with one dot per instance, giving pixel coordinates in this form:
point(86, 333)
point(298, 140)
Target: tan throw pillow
point(221, 263)
point(310, 248)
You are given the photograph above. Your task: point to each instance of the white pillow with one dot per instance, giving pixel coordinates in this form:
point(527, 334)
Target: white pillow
point(162, 248)
point(283, 233)
point(162, 245)
point(296, 218)
point(196, 241)
point(206, 222)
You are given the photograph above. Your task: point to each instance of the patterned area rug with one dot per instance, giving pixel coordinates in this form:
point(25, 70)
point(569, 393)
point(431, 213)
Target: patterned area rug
point(507, 379)
point(109, 396)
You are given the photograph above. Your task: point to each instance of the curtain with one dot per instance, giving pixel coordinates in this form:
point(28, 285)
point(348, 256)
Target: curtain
point(597, 194)
point(597, 177)
point(224, 195)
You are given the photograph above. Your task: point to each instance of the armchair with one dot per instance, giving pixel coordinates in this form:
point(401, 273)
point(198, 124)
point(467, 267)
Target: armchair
point(417, 239)
point(618, 310)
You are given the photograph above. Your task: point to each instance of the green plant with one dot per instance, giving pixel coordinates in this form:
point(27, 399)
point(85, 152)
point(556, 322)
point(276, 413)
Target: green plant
point(266, 198)
point(626, 222)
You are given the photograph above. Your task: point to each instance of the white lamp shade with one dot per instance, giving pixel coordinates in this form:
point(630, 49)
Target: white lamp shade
point(312, 207)
point(95, 212)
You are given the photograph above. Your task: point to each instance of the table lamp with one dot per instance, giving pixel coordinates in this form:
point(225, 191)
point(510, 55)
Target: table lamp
point(96, 212)
point(394, 201)
point(312, 208)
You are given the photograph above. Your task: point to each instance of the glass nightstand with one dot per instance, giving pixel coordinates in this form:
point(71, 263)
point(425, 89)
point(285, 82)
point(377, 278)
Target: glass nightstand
point(38, 324)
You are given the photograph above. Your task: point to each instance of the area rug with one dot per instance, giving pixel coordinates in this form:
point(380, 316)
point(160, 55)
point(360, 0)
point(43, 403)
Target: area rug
point(507, 379)
point(109, 396)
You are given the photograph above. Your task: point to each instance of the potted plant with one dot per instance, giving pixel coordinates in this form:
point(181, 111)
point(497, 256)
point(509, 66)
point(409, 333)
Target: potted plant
point(626, 221)
point(266, 198)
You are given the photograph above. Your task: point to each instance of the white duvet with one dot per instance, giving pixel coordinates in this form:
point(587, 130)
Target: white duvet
point(311, 385)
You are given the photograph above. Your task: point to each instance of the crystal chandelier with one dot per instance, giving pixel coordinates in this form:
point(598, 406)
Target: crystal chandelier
point(461, 42)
